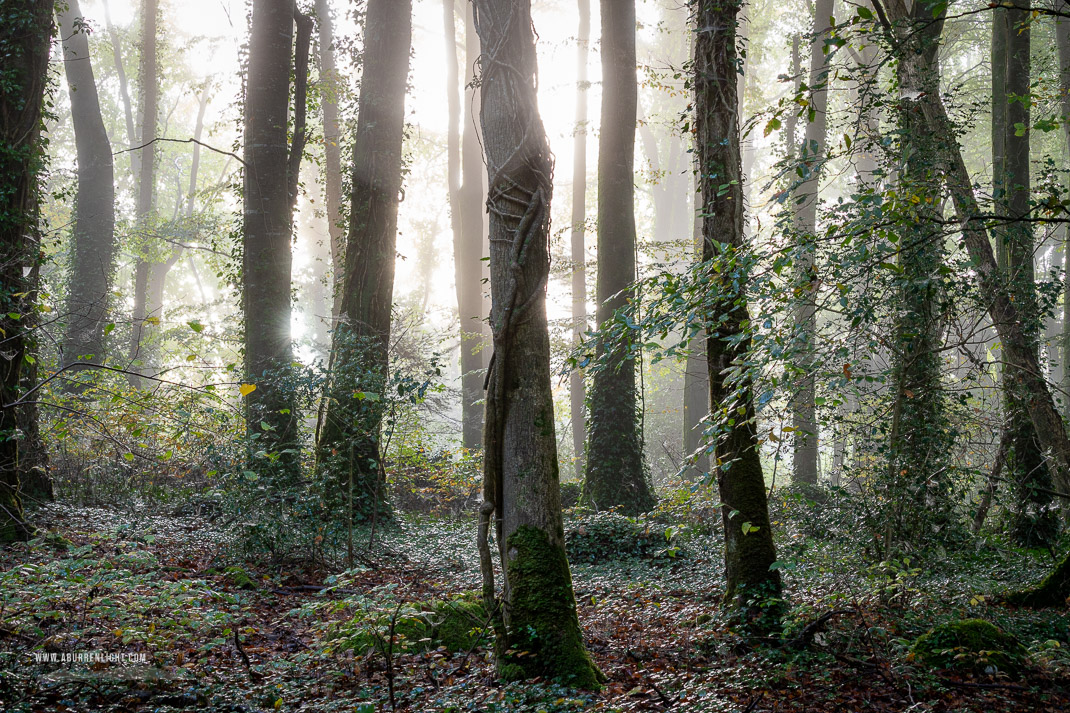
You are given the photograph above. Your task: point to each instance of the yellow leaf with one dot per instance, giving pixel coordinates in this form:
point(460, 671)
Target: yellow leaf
point(247, 389)
point(152, 320)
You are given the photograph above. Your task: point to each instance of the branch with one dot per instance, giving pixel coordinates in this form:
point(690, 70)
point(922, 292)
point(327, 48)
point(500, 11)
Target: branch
point(182, 141)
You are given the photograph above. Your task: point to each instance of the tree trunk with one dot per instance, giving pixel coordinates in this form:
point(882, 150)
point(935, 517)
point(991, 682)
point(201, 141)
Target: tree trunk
point(469, 250)
point(360, 350)
point(467, 247)
point(812, 155)
point(1034, 522)
point(577, 390)
point(93, 249)
point(616, 475)
point(1062, 38)
point(270, 409)
point(1005, 314)
point(25, 37)
point(330, 89)
point(124, 92)
point(520, 447)
point(749, 549)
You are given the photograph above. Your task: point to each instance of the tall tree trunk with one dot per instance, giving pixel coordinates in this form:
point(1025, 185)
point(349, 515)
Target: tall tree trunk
point(142, 348)
point(1005, 314)
point(124, 92)
point(330, 88)
point(469, 249)
point(577, 390)
point(520, 448)
point(25, 37)
point(349, 431)
point(1034, 522)
point(92, 263)
point(1062, 38)
point(749, 549)
point(467, 245)
point(616, 475)
point(812, 156)
point(271, 408)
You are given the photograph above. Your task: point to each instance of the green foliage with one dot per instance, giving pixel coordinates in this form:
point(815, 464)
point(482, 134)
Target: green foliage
point(971, 644)
point(609, 535)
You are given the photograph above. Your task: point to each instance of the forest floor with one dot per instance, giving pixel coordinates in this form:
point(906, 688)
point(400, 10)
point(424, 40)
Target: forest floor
point(219, 635)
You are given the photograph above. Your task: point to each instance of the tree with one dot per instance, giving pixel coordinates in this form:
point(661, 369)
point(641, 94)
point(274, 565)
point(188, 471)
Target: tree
point(577, 391)
point(271, 409)
point(616, 474)
point(1062, 40)
point(749, 549)
point(1034, 520)
point(330, 88)
point(349, 430)
point(812, 158)
point(520, 474)
point(25, 37)
point(92, 264)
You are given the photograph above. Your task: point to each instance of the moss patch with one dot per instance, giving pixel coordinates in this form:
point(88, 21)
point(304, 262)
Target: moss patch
point(1053, 591)
point(544, 633)
point(456, 624)
point(970, 644)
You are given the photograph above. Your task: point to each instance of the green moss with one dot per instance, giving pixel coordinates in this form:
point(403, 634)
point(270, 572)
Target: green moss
point(1053, 591)
point(457, 624)
point(972, 644)
point(544, 632)
point(239, 578)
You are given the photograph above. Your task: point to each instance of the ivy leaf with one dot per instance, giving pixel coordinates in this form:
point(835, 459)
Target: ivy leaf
point(247, 389)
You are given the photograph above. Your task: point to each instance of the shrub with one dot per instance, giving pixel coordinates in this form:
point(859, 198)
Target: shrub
point(970, 644)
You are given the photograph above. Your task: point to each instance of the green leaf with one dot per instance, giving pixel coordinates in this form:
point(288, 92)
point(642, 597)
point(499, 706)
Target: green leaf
point(196, 326)
point(772, 126)
point(865, 13)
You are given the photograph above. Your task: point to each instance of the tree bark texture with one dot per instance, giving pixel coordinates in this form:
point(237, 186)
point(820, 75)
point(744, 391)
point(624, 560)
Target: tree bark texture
point(330, 90)
point(271, 409)
point(578, 251)
point(360, 350)
point(749, 549)
point(521, 485)
point(1062, 39)
point(25, 36)
point(93, 250)
point(616, 474)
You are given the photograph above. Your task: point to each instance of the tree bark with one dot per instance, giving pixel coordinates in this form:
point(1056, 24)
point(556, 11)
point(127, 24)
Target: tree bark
point(360, 350)
point(749, 549)
point(616, 475)
point(520, 449)
point(93, 248)
point(806, 435)
point(577, 389)
point(25, 36)
point(330, 89)
point(1062, 40)
point(271, 408)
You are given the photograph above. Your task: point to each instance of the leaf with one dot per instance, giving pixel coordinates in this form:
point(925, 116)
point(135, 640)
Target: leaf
point(128, 456)
point(152, 320)
point(772, 126)
point(864, 12)
point(1019, 129)
point(196, 326)
point(247, 389)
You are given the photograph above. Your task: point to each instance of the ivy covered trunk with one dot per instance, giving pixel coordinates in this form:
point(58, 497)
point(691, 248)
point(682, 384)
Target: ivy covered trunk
point(751, 586)
point(93, 250)
point(538, 630)
point(348, 448)
point(616, 474)
point(25, 36)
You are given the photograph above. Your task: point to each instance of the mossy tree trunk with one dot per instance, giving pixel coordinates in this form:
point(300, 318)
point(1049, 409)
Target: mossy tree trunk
point(749, 549)
point(1053, 591)
point(93, 249)
point(349, 431)
point(520, 449)
point(25, 36)
point(615, 472)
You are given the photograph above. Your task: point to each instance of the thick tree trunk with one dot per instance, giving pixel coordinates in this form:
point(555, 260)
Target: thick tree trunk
point(1062, 38)
point(270, 409)
point(812, 155)
point(330, 88)
point(93, 249)
point(360, 350)
point(520, 449)
point(25, 36)
point(749, 549)
point(1006, 317)
point(616, 474)
point(577, 389)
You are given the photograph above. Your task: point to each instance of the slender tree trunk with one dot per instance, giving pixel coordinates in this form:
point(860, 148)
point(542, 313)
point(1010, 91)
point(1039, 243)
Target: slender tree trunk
point(360, 350)
point(1034, 522)
point(577, 390)
point(1062, 38)
point(93, 249)
point(124, 92)
point(812, 156)
point(330, 89)
point(1005, 314)
point(467, 244)
point(271, 408)
point(25, 36)
point(616, 475)
point(749, 549)
point(520, 448)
